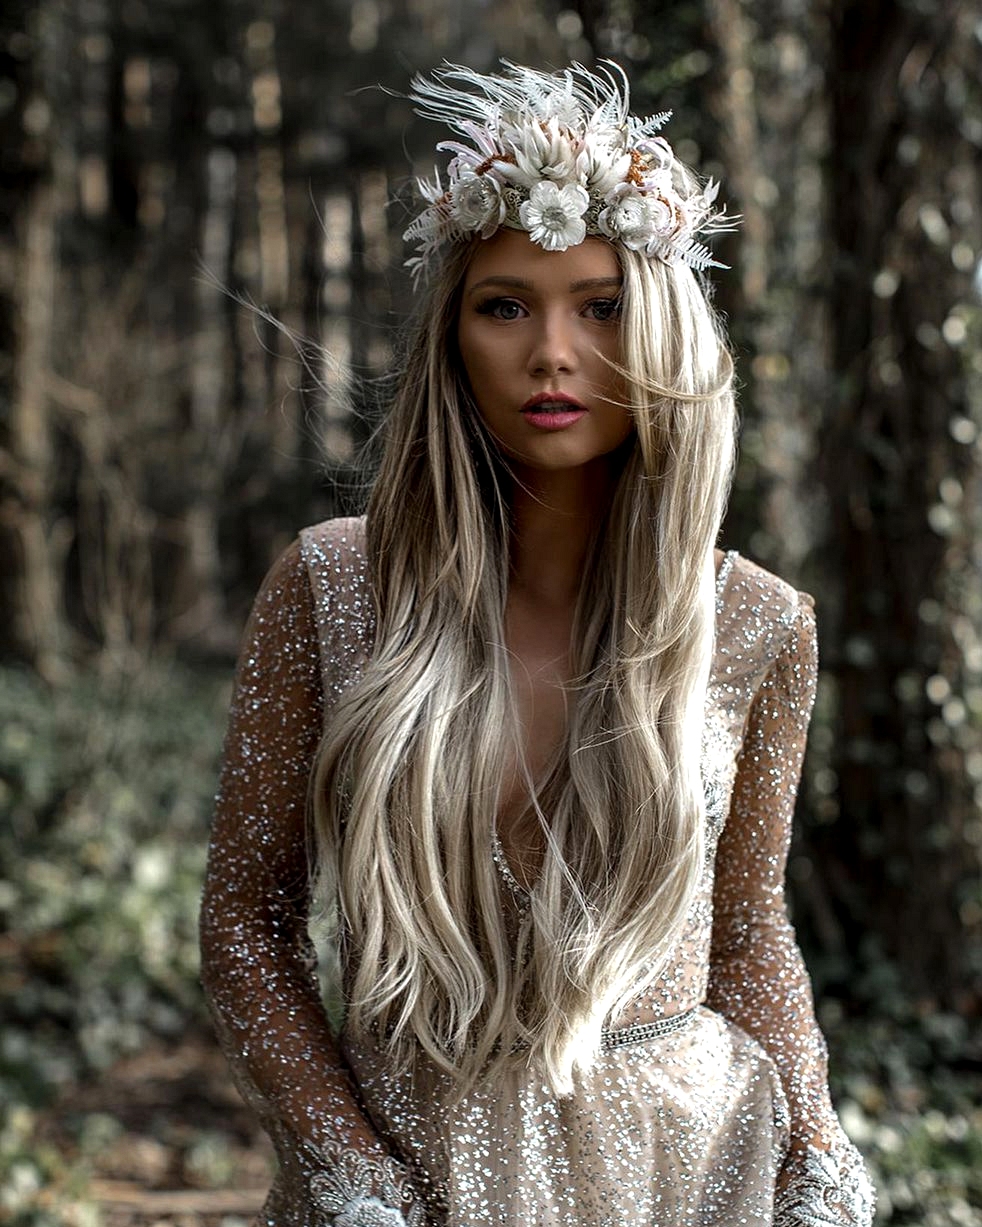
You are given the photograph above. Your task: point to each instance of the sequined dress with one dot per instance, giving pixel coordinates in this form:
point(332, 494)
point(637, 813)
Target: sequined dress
point(709, 1104)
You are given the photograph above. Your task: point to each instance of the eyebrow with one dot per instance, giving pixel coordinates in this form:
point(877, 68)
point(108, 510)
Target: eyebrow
point(519, 283)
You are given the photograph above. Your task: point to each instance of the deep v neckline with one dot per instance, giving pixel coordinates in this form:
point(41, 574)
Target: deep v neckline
point(522, 894)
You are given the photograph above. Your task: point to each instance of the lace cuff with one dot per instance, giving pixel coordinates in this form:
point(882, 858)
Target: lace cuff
point(826, 1189)
point(356, 1191)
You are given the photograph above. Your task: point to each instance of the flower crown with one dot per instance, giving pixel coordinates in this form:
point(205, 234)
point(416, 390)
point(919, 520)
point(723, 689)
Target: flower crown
point(558, 156)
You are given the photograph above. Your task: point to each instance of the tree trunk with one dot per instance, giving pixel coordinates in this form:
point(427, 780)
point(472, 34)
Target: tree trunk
point(36, 596)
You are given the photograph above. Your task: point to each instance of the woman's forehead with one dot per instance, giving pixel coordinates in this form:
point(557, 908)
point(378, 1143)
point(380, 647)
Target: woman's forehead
point(511, 256)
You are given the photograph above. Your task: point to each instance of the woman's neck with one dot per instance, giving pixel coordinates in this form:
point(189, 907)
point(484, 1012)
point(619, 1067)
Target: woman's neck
point(554, 518)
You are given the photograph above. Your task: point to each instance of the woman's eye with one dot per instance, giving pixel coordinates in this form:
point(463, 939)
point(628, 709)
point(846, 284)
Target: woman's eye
point(604, 310)
point(502, 308)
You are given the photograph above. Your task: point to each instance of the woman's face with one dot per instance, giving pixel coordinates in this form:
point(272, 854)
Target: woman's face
point(536, 332)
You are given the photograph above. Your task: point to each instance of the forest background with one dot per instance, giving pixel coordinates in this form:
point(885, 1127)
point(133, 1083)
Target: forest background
point(159, 444)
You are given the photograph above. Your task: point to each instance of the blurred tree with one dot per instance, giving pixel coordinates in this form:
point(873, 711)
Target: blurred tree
point(746, 84)
point(159, 444)
point(901, 465)
point(849, 141)
point(33, 196)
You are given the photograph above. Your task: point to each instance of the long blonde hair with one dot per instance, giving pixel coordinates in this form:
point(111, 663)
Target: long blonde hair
point(408, 777)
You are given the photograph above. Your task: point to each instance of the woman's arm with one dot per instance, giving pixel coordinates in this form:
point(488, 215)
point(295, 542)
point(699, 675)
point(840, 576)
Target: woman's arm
point(257, 966)
point(758, 978)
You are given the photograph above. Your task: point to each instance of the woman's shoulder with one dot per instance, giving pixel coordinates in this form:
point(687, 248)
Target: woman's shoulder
point(337, 565)
point(739, 575)
point(341, 540)
point(337, 568)
point(757, 613)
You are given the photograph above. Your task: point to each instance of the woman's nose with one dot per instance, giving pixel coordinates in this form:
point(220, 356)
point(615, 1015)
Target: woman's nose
point(553, 348)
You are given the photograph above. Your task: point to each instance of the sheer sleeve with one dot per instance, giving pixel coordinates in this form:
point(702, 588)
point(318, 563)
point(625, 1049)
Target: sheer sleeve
point(758, 978)
point(257, 966)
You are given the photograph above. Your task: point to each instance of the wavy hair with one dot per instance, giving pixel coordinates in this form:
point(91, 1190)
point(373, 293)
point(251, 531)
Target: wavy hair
point(408, 777)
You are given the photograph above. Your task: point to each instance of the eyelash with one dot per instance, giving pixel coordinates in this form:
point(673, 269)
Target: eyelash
point(614, 304)
point(492, 306)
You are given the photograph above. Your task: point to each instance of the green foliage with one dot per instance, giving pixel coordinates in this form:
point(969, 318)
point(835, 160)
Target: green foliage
point(105, 798)
point(104, 809)
point(909, 1091)
point(38, 1186)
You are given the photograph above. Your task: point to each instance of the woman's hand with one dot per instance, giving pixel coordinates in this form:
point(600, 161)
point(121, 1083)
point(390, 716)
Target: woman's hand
point(358, 1192)
point(824, 1188)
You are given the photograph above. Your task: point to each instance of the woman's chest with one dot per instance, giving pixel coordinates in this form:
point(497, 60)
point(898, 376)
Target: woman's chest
point(542, 698)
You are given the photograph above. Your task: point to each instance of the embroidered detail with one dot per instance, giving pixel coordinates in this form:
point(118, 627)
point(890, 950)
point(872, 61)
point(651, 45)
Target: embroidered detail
point(368, 1212)
point(360, 1192)
point(827, 1190)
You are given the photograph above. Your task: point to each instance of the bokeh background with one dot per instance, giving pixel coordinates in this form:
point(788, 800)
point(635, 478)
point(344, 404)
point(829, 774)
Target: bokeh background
point(162, 164)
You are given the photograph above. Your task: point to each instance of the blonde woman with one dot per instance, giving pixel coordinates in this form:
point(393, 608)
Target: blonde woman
point(532, 742)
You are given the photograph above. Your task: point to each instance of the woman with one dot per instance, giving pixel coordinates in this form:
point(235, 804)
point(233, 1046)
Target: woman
point(552, 740)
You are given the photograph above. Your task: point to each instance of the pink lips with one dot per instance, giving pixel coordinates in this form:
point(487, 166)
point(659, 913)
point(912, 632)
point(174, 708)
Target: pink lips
point(552, 410)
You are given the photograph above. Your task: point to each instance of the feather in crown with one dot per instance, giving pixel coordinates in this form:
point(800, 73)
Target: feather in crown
point(560, 157)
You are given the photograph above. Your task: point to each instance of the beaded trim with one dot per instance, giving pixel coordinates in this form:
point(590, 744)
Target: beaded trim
point(615, 1038)
point(521, 895)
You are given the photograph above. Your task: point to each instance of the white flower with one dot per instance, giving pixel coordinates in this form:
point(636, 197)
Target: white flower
point(553, 216)
point(562, 108)
point(656, 183)
point(668, 216)
point(600, 165)
point(627, 218)
point(657, 152)
point(477, 204)
point(542, 150)
point(555, 154)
